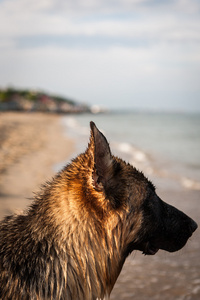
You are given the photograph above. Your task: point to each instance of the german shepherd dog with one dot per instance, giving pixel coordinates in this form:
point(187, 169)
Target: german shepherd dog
point(73, 241)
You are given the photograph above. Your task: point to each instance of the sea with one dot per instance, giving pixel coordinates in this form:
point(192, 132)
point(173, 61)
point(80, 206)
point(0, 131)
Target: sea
point(164, 146)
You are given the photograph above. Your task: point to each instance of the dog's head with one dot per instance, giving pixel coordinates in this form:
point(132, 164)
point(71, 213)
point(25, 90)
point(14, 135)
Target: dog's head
point(151, 224)
point(120, 195)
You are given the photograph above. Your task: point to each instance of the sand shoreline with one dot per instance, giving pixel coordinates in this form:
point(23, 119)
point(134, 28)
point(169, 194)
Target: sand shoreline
point(30, 144)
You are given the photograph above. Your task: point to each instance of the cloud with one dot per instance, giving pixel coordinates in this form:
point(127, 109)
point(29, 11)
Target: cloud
point(31, 18)
point(103, 51)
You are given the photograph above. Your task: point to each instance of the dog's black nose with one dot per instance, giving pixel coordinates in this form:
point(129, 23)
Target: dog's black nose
point(193, 226)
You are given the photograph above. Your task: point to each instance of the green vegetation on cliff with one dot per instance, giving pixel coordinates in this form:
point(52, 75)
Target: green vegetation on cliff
point(31, 100)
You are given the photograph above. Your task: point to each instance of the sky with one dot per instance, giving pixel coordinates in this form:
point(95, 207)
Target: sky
point(130, 54)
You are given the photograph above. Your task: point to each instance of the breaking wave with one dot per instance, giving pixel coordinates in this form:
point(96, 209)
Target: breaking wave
point(162, 173)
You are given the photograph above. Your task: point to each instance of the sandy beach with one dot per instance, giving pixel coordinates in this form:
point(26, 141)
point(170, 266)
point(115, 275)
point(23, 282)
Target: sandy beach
point(30, 144)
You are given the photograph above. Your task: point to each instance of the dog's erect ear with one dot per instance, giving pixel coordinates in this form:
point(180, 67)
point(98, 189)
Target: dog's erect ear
point(102, 157)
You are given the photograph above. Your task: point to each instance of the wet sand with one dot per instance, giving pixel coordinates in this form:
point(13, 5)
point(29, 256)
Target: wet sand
point(30, 144)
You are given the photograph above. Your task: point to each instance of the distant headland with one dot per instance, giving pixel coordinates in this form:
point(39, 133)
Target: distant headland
point(12, 99)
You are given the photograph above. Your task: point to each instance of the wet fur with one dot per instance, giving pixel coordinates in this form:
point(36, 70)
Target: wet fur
point(72, 242)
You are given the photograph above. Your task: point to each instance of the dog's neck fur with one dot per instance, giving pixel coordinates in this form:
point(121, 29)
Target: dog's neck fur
point(89, 268)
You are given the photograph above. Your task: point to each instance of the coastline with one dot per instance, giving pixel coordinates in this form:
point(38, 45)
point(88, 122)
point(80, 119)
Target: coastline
point(30, 144)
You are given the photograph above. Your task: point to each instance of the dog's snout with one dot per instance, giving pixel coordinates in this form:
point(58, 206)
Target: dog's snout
point(193, 226)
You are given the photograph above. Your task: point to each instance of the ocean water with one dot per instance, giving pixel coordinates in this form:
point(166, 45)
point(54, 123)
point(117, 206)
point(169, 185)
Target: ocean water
point(165, 146)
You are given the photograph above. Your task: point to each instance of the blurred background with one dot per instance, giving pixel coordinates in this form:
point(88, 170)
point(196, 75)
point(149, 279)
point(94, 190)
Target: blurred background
point(142, 54)
point(133, 67)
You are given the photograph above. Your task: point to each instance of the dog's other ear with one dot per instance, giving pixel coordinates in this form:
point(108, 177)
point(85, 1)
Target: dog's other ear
point(102, 157)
